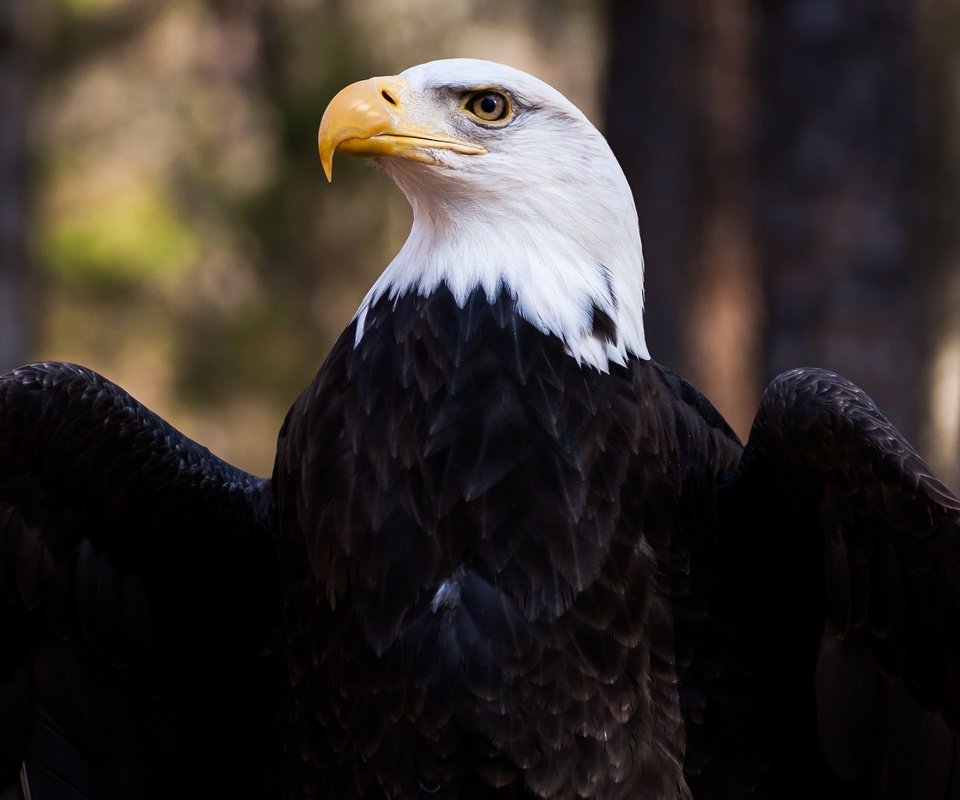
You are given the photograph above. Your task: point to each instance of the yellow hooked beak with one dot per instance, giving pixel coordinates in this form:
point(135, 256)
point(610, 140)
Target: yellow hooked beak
point(380, 117)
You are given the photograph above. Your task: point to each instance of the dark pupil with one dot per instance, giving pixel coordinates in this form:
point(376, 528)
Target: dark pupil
point(488, 104)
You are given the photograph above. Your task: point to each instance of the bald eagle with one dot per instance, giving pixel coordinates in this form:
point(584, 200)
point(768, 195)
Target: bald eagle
point(503, 552)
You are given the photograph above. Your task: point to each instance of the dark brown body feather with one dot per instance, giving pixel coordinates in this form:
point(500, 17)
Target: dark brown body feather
point(497, 574)
point(485, 549)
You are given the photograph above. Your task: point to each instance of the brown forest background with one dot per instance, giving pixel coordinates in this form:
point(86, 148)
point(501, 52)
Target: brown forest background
point(164, 218)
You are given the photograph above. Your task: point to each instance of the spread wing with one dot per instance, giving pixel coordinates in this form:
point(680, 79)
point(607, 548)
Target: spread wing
point(138, 598)
point(847, 549)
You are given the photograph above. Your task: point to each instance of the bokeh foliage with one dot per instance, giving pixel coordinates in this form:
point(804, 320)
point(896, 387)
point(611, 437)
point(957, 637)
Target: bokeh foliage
point(189, 246)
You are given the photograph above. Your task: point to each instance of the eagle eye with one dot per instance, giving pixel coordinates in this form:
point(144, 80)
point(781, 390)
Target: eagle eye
point(488, 106)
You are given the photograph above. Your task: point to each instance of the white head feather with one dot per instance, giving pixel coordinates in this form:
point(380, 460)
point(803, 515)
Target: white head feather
point(545, 212)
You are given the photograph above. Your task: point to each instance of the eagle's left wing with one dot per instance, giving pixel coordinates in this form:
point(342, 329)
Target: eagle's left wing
point(845, 550)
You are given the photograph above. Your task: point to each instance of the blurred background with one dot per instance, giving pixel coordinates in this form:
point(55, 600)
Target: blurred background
point(164, 217)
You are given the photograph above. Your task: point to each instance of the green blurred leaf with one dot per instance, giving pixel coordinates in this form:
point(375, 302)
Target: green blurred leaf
point(126, 238)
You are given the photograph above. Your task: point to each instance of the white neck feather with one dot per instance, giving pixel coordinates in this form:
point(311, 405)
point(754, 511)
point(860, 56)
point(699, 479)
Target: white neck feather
point(561, 234)
point(557, 268)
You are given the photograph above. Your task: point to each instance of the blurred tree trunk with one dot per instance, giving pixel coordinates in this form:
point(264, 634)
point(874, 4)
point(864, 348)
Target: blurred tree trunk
point(16, 69)
point(649, 125)
point(837, 208)
point(726, 313)
point(941, 48)
point(678, 112)
point(773, 152)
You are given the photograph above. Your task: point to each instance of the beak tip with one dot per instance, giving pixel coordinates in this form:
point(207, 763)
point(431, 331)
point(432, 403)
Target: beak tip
point(326, 153)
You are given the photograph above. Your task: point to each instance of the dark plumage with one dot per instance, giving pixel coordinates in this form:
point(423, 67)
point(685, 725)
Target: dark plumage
point(137, 595)
point(502, 554)
point(486, 494)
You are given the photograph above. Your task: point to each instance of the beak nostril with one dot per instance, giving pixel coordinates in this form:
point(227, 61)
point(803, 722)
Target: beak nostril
point(388, 97)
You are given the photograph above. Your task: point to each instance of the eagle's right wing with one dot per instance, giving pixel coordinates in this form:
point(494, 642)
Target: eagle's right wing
point(138, 596)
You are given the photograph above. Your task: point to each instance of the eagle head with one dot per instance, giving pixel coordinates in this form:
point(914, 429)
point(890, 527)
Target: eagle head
point(511, 187)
